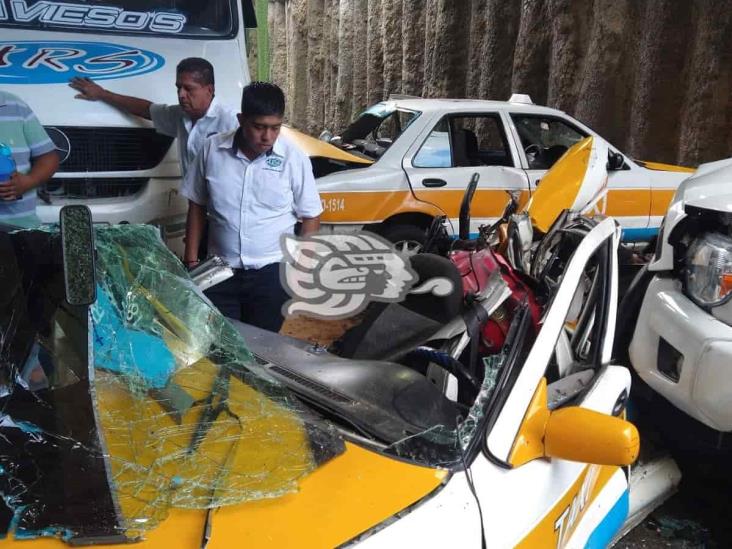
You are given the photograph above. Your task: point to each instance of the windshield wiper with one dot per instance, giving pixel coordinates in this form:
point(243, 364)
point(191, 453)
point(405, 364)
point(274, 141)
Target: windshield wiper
point(215, 403)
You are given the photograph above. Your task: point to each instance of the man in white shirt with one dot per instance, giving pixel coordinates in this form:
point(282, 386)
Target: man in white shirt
point(254, 186)
point(196, 116)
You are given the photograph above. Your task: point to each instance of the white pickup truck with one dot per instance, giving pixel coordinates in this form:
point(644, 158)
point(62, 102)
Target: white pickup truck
point(681, 345)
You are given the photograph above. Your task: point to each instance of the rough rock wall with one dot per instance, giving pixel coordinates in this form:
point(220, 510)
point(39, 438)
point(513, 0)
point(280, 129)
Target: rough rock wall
point(653, 76)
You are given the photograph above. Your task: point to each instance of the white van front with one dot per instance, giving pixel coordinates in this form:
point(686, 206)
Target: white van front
point(116, 163)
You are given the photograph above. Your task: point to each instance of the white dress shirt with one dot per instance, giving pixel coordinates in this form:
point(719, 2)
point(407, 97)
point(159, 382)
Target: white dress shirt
point(171, 120)
point(251, 203)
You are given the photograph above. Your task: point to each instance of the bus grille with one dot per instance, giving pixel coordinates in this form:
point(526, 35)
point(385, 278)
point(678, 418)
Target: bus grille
point(108, 149)
point(90, 187)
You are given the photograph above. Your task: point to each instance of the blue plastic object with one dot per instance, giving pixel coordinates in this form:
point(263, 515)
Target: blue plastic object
point(7, 163)
point(120, 349)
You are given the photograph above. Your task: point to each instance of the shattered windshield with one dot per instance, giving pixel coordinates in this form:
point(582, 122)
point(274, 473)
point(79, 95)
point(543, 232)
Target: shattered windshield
point(377, 128)
point(113, 415)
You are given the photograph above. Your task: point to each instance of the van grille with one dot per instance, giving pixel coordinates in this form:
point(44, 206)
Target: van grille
point(109, 149)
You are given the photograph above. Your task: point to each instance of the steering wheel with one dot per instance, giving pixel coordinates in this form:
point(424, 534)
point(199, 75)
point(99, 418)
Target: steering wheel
point(451, 365)
point(533, 149)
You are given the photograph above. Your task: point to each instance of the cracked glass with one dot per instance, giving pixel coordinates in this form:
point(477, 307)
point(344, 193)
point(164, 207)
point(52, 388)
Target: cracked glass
point(147, 401)
point(442, 446)
point(446, 446)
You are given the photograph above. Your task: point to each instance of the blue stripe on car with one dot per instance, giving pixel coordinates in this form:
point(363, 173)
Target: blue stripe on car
point(610, 525)
point(639, 235)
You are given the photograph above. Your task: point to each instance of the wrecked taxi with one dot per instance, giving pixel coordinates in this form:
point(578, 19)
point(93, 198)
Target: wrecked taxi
point(132, 411)
point(404, 161)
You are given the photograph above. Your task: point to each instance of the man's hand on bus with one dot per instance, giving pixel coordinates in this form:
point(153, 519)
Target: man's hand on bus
point(91, 91)
point(88, 89)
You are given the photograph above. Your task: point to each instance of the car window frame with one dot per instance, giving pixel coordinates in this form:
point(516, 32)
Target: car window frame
point(511, 114)
point(466, 114)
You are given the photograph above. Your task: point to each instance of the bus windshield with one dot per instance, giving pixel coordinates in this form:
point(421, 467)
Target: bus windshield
point(175, 18)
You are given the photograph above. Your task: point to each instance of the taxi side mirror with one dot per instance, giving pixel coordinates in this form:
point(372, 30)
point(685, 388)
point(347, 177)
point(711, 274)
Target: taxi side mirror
point(579, 434)
point(615, 161)
point(574, 434)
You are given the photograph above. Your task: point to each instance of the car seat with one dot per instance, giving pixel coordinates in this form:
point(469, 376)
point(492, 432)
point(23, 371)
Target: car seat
point(552, 154)
point(390, 330)
point(471, 148)
point(465, 148)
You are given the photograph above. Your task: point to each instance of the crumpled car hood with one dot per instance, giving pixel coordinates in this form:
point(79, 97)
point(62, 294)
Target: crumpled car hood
point(149, 401)
point(317, 148)
point(708, 188)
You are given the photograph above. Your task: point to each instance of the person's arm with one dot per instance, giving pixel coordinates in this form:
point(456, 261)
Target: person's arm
point(310, 225)
point(195, 224)
point(42, 169)
point(194, 189)
point(308, 207)
point(91, 91)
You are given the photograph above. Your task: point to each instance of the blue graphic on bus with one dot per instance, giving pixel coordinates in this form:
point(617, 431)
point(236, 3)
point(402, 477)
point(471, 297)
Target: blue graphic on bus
point(53, 62)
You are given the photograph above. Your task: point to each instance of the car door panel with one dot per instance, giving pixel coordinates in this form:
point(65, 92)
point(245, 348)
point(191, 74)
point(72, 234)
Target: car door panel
point(563, 494)
point(434, 157)
point(546, 502)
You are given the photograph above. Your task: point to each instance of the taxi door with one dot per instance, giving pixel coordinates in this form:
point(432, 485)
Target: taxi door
point(542, 501)
point(441, 161)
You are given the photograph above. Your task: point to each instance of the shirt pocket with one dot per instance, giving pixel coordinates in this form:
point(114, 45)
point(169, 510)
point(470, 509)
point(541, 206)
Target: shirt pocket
point(272, 190)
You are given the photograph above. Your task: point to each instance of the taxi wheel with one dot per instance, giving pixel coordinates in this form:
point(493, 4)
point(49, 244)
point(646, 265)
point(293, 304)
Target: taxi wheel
point(407, 239)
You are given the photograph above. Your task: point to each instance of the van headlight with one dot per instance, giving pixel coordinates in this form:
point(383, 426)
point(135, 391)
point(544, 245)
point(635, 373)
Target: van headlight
point(709, 270)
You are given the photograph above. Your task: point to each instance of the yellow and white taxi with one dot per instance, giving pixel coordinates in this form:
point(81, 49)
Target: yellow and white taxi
point(406, 160)
point(147, 417)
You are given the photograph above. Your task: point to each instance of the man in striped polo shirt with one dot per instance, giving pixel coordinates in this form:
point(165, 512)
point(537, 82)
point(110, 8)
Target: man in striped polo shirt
point(35, 160)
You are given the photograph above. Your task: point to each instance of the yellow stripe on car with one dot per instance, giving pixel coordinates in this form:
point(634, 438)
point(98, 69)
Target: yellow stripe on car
point(661, 167)
point(375, 206)
point(372, 206)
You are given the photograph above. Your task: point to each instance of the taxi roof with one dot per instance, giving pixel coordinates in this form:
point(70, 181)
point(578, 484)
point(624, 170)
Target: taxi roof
point(428, 105)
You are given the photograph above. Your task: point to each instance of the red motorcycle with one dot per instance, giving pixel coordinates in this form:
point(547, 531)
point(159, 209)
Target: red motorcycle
point(477, 263)
point(447, 336)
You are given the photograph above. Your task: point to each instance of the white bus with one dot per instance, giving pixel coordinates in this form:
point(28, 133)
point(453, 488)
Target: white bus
point(114, 163)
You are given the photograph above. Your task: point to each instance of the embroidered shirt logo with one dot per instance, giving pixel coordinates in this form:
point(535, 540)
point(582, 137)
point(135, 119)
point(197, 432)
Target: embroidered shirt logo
point(274, 163)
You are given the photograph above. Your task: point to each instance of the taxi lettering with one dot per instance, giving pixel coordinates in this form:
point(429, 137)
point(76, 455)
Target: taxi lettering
point(333, 204)
point(567, 520)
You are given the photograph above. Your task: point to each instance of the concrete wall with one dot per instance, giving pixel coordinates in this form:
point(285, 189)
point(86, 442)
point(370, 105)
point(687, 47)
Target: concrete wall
point(653, 76)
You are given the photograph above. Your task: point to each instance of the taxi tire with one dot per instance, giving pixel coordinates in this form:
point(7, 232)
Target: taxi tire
point(408, 238)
